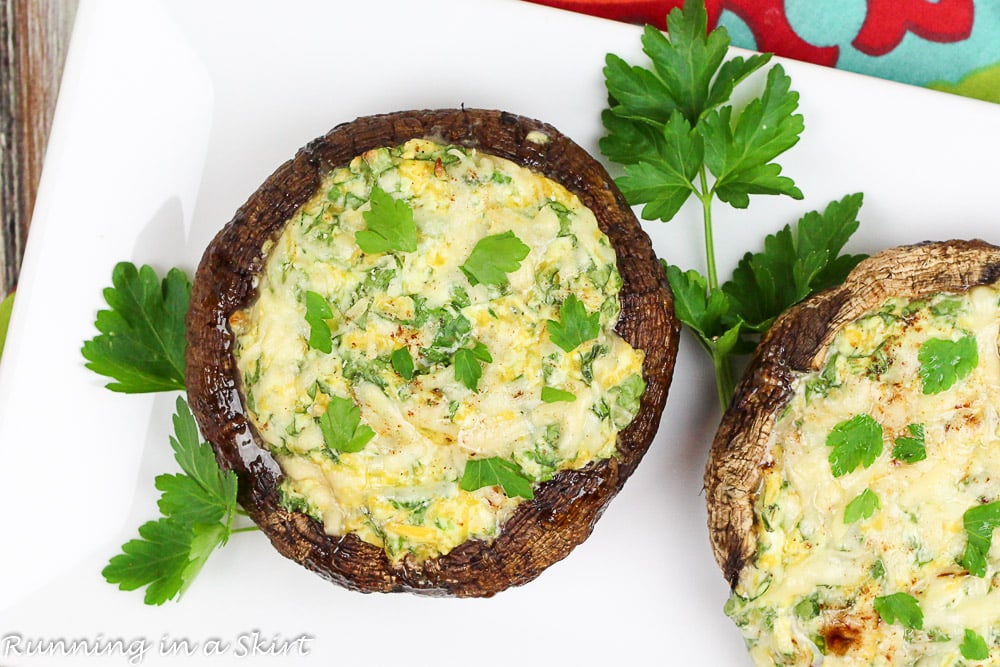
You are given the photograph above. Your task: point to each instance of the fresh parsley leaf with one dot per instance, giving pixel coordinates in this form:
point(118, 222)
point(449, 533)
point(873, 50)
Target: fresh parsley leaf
point(637, 93)
point(142, 338)
point(740, 152)
point(855, 441)
point(793, 265)
point(205, 537)
point(402, 361)
point(698, 307)
point(203, 494)
point(342, 427)
point(466, 360)
point(900, 608)
point(664, 182)
point(973, 646)
point(198, 508)
point(912, 448)
point(390, 225)
point(945, 362)
point(706, 312)
point(496, 471)
point(317, 312)
point(553, 395)
point(979, 522)
point(862, 507)
point(184, 499)
point(493, 257)
point(575, 325)
point(156, 560)
point(687, 61)
point(630, 140)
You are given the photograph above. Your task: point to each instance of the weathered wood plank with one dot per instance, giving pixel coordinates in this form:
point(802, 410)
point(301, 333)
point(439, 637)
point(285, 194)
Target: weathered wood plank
point(34, 37)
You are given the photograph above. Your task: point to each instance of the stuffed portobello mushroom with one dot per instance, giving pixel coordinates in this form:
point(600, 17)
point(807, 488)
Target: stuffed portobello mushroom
point(852, 486)
point(433, 346)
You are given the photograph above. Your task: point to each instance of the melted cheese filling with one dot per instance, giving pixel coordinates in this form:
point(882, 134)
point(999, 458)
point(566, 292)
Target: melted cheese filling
point(402, 490)
point(823, 567)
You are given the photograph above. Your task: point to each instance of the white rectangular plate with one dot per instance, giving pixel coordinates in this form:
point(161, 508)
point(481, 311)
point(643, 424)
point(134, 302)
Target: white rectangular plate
point(172, 113)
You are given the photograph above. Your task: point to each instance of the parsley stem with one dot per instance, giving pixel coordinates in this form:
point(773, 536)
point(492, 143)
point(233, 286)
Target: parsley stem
point(706, 207)
point(245, 529)
point(723, 378)
point(723, 369)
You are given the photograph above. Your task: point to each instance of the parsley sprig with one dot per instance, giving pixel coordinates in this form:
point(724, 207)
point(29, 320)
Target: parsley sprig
point(676, 132)
point(141, 346)
point(141, 342)
point(198, 507)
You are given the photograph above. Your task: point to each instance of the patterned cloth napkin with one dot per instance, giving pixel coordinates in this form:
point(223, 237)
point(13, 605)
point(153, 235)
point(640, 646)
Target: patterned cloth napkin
point(949, 45)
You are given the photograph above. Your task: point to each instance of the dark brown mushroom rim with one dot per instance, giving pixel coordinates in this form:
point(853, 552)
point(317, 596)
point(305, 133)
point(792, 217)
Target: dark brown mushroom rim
point(562, 514)
point(797, 343)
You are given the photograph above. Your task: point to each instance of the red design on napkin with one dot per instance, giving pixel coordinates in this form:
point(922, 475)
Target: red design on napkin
point(765, 18)
point(772, 31)
point(653, 12)
point(888, 21)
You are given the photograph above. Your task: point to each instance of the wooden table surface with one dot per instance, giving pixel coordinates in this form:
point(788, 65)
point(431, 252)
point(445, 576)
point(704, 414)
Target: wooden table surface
point(34, 37)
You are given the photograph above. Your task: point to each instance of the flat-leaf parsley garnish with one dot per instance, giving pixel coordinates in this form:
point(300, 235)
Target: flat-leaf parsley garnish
point(862, 507)
point(496, 471)
point(794, 264)
point(974, 646)
point(900, 608)
point(198, 508)
point(141, 342)
point(911, 448)
point(855, 441)
point(402, 362)
point(468, 368)
point(676, 132)
point(979, 522)
point(318, 311)
point(390, 225)
point(945, 362)
point(575, 325)
point(342, 428)
point(493, 257)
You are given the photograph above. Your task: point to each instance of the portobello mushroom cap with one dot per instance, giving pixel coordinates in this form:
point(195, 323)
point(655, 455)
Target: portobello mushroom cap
point(798, 343)
point(564, 509)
